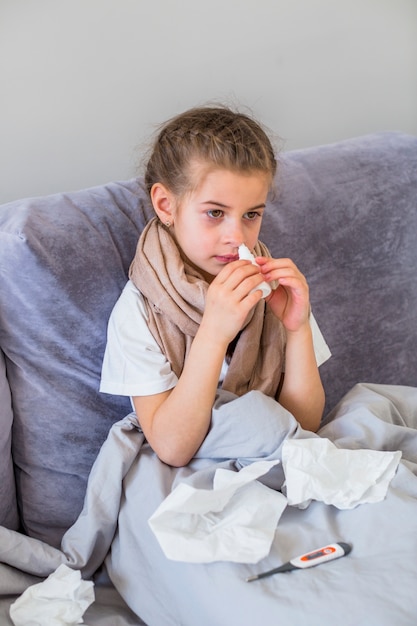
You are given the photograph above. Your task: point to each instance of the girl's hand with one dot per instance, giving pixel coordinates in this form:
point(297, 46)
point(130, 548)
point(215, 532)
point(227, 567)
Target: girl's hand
point(290, 300)
point(230, 299)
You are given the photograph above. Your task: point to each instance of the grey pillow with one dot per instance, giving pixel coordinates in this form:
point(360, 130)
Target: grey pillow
point(65, 259)
point(8, 507)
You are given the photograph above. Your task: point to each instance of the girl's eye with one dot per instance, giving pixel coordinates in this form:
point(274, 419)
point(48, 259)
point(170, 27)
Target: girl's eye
point(252, 215)
point(215, 213)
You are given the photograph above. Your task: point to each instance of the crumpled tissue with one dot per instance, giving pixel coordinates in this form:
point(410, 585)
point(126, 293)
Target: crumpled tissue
point(234, 521)
point(61, 599)
point(315, 469)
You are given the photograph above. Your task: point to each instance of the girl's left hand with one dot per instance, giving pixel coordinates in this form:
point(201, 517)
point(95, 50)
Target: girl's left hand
point(290, 300)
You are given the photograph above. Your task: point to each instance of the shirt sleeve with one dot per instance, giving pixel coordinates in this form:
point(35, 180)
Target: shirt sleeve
point(133, 364)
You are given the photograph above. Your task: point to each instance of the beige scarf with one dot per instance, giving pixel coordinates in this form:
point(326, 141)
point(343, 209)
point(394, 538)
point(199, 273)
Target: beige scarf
point(175, 294)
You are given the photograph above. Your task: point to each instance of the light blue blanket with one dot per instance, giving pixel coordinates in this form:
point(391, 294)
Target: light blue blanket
point(375, 584)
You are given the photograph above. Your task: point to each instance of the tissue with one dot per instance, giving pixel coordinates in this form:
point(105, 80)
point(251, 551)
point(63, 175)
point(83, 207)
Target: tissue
point(235, 521)
point(61, 599)
point(315, 469)
point(245, 253)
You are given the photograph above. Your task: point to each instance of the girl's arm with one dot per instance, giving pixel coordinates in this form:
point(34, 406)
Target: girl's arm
point(302, 391)
point(176, 422)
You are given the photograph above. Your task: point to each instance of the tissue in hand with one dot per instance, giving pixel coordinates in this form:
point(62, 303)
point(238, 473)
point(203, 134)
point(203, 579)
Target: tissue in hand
point(245, 253)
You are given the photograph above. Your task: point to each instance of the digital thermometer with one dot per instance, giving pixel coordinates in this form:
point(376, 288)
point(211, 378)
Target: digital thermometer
point(310, 559)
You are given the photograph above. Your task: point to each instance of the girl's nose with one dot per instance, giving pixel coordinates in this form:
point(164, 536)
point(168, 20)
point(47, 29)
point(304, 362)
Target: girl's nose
point(234, 235)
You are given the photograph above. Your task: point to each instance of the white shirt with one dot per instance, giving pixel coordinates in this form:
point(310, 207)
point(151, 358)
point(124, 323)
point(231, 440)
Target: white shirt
point(133, 363)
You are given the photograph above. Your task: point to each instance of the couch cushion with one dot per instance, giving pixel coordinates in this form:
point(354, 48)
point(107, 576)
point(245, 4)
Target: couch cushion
point(8, 505)
point(64, 260)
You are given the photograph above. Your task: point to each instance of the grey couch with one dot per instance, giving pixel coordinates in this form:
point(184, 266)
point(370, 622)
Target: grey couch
point(346, 213)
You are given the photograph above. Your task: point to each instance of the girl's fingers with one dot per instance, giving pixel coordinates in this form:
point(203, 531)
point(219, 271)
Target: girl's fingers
point(241, 276)
point(285, 272)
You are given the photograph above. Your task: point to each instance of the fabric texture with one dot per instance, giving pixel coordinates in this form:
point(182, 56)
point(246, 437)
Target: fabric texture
point(128, 482)
point(175, 294)
point(235, 440)
point(8, 510)
point(63, 262)
point(133, 364)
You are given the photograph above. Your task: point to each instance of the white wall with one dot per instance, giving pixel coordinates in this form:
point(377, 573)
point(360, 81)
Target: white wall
point(83, 82)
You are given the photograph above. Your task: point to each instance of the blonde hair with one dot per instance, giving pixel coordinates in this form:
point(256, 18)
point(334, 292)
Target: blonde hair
point(213, 135)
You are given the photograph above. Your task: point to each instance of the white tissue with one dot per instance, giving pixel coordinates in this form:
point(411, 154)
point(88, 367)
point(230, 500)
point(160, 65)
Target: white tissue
point(315, 469)
point(235, 521)
point(245, 253)
point(61, 599)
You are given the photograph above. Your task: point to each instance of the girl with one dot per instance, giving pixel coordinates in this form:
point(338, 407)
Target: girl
point(191, 318)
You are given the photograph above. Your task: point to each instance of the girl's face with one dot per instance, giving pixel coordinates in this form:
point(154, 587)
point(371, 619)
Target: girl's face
point(224, 211)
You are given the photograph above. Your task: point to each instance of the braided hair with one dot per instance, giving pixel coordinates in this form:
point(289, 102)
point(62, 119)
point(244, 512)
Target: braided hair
point(213, 135)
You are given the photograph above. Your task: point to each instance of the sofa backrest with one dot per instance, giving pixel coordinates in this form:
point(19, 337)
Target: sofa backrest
point(346, 213)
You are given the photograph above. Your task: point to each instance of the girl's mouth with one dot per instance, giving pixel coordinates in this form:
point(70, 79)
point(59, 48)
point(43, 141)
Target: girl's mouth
point(227, 258)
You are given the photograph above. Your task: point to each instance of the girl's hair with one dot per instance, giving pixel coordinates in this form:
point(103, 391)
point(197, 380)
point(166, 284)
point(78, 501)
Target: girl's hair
point(212, 135)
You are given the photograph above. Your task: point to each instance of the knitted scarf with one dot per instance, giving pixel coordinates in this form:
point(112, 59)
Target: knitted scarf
point(175, 293)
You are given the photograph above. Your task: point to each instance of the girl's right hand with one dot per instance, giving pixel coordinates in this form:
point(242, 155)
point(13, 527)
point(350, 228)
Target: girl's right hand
point(230, 298)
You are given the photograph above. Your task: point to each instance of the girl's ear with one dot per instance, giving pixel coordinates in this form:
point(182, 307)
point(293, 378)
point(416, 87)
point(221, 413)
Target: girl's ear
point(163, 202)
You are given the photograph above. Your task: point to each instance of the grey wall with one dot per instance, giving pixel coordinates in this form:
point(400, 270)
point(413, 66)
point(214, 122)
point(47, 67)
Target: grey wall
point(83, 82)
